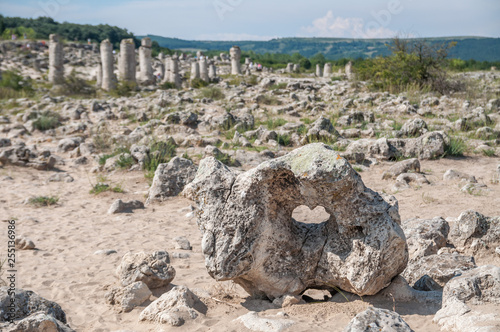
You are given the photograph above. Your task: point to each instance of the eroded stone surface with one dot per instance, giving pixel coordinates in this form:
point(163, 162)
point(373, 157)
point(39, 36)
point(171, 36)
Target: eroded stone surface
point(250, 237)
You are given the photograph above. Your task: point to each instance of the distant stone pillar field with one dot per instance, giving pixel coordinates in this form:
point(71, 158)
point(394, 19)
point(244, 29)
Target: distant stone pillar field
point(235, 53)
point(56, 60)
point(126, 61)
point(327, 72)
point(145, 66)
point(107, 61)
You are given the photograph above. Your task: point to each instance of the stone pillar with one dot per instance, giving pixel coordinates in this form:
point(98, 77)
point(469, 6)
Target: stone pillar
point(81, 53)
point(98, 82)
point(36, 64)
point(168, 74)
point(56, 60)
point(318, 71)
point(348, 71)
point(289, 68)
point(126, 61)
point(296, 68)
point(204, 69)
point(161, 69)
point(198, 55)
point(108, 61)
point(161, 56)
point(145, 66)
point(212, 72)
point(223, 57)
point(247, 61)
point(327, 72)
point(235, 53)
point(174, 71)
point(195, 70)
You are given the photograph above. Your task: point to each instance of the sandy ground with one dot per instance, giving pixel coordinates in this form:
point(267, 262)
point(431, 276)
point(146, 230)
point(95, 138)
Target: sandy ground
point(64, 268)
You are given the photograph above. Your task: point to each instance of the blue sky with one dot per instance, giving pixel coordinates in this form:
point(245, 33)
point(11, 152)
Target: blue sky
point(263, 20)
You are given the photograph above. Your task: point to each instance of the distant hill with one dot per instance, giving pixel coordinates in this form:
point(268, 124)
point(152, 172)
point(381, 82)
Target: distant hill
point(477, 48)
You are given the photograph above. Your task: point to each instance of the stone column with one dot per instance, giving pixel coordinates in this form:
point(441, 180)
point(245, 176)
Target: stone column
point(161, 69)
point(348, 71)
point(56, 60)
point(195, 70)
point(289, 68)
point(235, 53)
point(126, 61)
point(145, 66)
point(168, 66)
point(107, 60)
point(296, 68)
point(81, 53)
point(212, 72)
point(204, 69)
point(318, 71)
point(327, 72)
point(174, 71)
point(99, 75)
point(247, 61)
point(161, 56)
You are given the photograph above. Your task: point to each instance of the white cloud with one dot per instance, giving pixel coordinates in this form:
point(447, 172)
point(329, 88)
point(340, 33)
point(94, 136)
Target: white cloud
point(345, 27)
point(233, 36)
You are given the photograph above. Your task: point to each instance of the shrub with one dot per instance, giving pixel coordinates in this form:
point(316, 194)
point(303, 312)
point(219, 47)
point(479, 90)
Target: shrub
point(40, 201)
point(159, 153)
point(47, 120)
point(13, 85)
point(212, 93)
point(198, 83)
point(284, 140)
point(489, 152)
point(456, 147)
point(124, 89)
point(75, 86)
point(125, 162)
point(167, 86)
point(102, 187)
point(275, 123)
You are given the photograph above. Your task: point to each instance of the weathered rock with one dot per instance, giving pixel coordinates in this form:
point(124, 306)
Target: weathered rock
point(425, 236)
point(60, 177)
point(173, 307)
point(478, 286)
point(441, 268)
point(414, 127)
point(452, 175)
point(254, 322)
point(182, 243)
point(401, 167)
point(376, 319)
point(26, 303)
point(129, 297)
point(67, 144)
point(403, 181)
point(321, 130)
point(250, 237)
point(38, 322)
point(153, 269)
point(170, 179)
point(473, 232)
point(120, 206)
point(23, 243)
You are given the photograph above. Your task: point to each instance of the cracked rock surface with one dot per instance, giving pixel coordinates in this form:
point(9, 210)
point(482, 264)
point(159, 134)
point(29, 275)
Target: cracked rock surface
point(249, 235)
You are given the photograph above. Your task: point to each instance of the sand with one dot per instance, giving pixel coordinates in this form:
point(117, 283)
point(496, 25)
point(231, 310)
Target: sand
point(65, 269)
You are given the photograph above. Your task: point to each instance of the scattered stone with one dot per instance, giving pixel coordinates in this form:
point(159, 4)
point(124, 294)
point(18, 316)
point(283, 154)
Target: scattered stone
point(106, 252)
point(401, 167)
point(255, 246)
point(170, 179)
point(473, 232)
point(288, 300)
point(120, 206)
point(130, 296)
point(441, 268)
point(38, 322)
point(376, 319)
point(475, 287)
point(60, 177)
point(173, 307)
point(453, 175)
point(23, 243)
point(254, 322)
point(403, 181)
point(153, 269)
point(182, 243)
point(425, 236)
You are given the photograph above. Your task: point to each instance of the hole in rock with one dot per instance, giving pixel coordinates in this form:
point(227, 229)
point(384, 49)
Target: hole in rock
point(304, 214)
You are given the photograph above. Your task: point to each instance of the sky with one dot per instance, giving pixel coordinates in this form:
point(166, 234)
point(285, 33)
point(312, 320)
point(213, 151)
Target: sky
point(264, 20)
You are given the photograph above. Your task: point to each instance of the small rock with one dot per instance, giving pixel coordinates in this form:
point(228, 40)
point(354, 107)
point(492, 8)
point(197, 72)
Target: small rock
point(182, 243)
point(129, 297)
point(106, 252)
point(120, 206)
point(60, 177)
point(254, 322)
point(153, 269)
point(23, 243)
point(376, 319)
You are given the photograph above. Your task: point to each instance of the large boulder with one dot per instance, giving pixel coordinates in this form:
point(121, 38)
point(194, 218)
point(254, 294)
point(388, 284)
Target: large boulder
point(425, 236)
point(473, 232)
point(465, 299)
point(249, 235)
point(27, 303)
point(170, 179)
